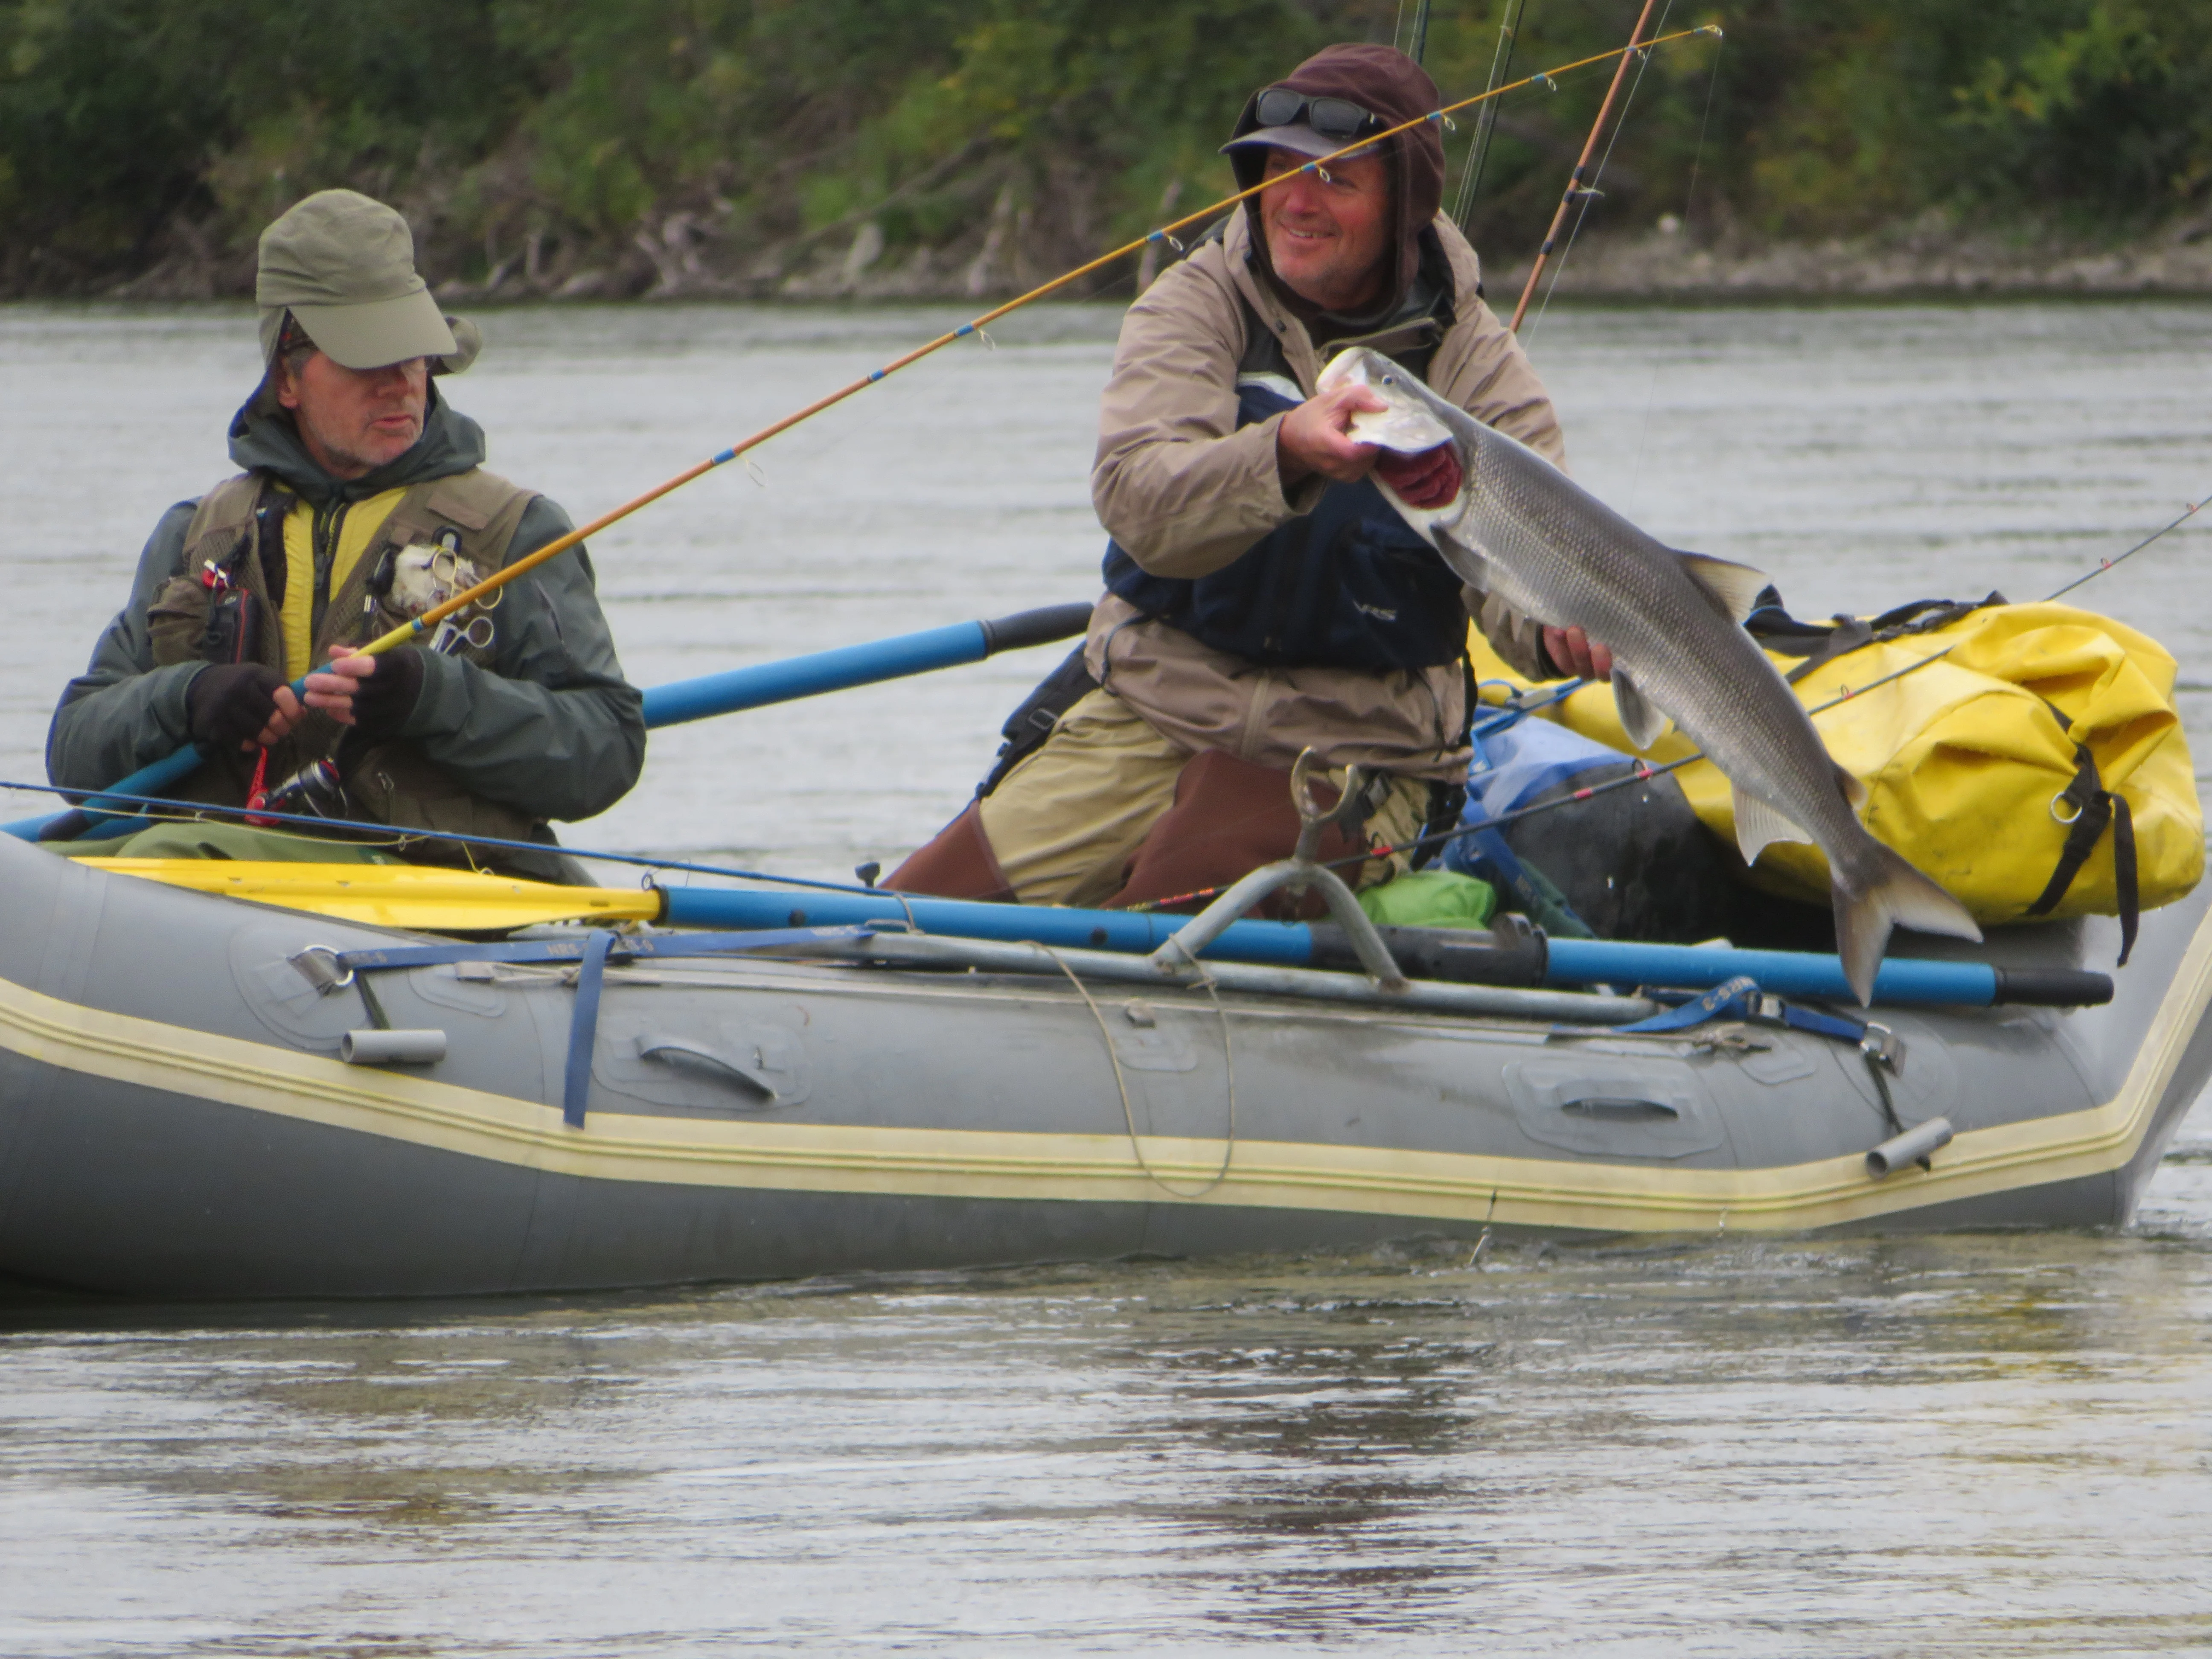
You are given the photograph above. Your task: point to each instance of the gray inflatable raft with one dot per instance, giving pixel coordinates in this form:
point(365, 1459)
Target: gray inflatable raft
point(177, 1118)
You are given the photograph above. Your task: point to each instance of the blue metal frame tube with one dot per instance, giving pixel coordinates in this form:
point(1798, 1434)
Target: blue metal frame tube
point(1280, 943)
point(1289, 945)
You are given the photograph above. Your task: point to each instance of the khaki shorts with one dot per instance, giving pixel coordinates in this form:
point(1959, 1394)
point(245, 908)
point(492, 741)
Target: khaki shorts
point(1065, 822)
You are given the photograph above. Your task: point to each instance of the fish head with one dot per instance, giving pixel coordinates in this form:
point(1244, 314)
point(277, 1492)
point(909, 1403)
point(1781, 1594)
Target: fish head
point(1412, 420)
point(1405, 425)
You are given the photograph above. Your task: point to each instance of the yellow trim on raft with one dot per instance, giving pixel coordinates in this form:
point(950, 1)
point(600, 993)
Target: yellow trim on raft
point(1104, 1168)
point(403, 895)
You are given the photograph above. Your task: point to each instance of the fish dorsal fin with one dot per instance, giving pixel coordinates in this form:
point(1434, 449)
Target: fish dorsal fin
point(1733, 588)
point(1643, 722)
point(1759, 826)
point(1854, 791)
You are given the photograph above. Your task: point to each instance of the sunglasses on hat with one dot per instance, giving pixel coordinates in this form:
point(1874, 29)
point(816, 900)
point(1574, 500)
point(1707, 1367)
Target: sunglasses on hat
point(1332, 117)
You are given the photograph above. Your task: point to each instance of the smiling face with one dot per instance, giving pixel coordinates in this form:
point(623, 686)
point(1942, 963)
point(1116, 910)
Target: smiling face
point(355, 420)
point(1329, 239)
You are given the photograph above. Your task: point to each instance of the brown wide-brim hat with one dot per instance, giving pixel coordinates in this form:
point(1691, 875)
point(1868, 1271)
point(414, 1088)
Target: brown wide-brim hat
point(343, 264)
point(1393, 89)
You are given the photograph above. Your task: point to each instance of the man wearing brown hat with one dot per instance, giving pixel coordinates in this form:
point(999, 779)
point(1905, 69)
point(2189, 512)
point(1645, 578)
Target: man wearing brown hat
point(362, 502)
point(1262, 597)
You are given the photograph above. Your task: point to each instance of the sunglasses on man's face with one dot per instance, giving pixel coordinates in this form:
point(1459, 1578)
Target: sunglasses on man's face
point(1332, 117)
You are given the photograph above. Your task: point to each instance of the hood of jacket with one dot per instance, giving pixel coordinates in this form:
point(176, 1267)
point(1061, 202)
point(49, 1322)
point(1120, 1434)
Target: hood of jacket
point(1385, 83)
point(262, 439)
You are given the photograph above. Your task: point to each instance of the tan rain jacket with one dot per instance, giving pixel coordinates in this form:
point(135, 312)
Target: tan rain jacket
point(1187, 491)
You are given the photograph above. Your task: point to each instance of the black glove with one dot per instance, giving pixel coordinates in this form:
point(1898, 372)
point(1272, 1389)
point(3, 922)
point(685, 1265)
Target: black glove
point(382, 702)
point(227, 706)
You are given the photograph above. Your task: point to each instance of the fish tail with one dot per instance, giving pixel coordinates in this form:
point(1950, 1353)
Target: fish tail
point(1884, 893)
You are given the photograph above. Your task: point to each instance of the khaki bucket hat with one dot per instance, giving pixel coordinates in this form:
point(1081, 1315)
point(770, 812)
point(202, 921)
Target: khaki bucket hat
point(344, 264)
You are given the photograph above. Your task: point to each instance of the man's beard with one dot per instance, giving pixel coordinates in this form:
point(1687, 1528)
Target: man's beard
point(342, 450)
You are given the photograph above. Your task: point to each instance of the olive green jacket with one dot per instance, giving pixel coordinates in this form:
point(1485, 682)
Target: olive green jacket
point(549, 727)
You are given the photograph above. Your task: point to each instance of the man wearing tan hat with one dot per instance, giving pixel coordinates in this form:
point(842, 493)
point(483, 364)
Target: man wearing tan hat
point(362, 502)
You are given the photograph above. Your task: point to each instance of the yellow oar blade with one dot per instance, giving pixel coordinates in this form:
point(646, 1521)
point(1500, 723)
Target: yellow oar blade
point(395, 895)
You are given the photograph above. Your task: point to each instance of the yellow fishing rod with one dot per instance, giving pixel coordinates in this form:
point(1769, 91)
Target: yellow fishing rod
point(437, 614)
point(152, 780)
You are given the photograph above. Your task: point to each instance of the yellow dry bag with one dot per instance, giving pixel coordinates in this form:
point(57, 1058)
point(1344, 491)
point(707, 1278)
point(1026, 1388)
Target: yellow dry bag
point(2026, 769)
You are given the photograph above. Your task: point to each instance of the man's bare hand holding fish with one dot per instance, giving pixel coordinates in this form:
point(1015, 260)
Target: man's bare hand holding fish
point(1507, 521)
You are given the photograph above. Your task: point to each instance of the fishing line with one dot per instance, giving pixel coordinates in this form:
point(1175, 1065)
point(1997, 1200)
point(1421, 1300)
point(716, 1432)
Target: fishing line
point(1689, 201)
point(189, 812)
point(1697, 161)
point(1419, 48)
point(186, 759)
point(417, 626)
point(1589, 192)
point(1589, 145)
point(1644, 772)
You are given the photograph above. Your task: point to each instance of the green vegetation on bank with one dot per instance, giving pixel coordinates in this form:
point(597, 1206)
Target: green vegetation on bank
point(745, 146)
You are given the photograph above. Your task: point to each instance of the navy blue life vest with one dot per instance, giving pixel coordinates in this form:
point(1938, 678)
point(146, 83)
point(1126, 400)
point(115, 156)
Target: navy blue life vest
point(1346, 585)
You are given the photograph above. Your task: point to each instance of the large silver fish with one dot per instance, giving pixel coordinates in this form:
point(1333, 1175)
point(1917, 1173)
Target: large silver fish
point(1521, 529)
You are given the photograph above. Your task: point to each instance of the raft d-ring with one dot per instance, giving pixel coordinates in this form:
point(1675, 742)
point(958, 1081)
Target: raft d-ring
point(2057, 816)
point(319, 966)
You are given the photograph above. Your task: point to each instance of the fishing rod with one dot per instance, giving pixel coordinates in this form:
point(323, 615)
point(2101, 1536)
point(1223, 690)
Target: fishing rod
point(1574, 190)
point(1501, 65)
point(841, 668)
point(388, 835)
point(1417, 47)
point(1131, 929)
point(682, 696)
point(459, 601)
point(180, 764)
point(1645, 770)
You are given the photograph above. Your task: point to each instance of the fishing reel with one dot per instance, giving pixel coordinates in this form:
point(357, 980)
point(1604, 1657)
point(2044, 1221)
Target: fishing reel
point(314, 791)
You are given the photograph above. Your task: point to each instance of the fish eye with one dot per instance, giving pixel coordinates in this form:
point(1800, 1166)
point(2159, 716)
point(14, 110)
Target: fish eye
point(1388, 380)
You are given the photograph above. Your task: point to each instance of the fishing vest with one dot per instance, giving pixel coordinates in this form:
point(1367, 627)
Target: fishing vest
point(1349, 584)
point(219, 608)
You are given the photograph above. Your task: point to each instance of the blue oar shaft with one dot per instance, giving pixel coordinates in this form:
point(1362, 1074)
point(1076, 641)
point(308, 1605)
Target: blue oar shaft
point(680, 700)
point(810, 675)
point(860, 665)
point(155, 779)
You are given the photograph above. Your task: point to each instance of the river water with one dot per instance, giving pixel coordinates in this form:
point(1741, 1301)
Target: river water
point(1976, 1445)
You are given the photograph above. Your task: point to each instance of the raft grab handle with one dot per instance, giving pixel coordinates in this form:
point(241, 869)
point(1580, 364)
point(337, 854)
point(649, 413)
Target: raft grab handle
point(673, 1051)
